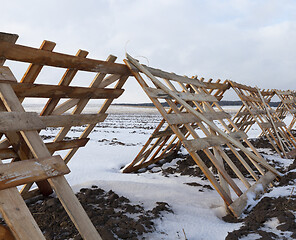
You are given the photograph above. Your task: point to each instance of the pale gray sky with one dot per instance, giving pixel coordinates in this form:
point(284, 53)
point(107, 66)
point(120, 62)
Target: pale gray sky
point(248, 41)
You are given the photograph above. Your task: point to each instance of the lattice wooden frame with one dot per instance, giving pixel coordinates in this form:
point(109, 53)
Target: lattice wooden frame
point(287, 105)
point(192, 108)
point(22, 129)
point(256, 109)
point(163, 142)
point(53, 113)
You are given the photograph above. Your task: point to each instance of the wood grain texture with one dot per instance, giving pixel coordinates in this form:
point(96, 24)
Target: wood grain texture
point(41, 57)
point(18, 173)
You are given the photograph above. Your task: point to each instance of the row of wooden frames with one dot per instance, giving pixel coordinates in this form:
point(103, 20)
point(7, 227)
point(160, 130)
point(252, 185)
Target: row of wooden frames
point(194, 119)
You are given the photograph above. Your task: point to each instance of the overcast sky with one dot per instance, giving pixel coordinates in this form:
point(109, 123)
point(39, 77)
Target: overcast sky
point(248, 41)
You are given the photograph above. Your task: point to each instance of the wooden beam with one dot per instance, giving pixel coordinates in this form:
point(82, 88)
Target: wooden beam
point(16, 121)
point(7, 153)
point(55, 91)
point(22, 172)
point(69, 144)
point(159, 93)
point(37, 56)
point(238, 206)
point(71, 119)
point(203, 143)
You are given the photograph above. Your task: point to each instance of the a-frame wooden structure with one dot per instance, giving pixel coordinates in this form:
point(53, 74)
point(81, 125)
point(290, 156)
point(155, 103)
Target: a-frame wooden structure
point(163, 142)
point(31, 159)
point(106, 85)
point(191, 109)
point(287, 105)
point(256, 109)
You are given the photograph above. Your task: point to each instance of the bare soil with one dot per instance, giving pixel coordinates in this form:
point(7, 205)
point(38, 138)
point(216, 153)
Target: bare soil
point(114, 216)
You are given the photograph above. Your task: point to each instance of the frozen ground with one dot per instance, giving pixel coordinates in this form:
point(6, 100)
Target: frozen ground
point(116, 142)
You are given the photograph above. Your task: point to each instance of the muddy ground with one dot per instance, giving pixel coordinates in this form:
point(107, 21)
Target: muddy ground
point(256, 221)
point(113, 216)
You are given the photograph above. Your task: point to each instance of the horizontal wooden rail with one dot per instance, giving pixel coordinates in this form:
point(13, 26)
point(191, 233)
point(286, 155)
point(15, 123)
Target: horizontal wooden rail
point(26, 171)
point(56, 91)
point(17, 121)
point(183, 118)
point(72, 120)
point(51, 146)
point(41, 57)
point(204, 143)
point(186, 96)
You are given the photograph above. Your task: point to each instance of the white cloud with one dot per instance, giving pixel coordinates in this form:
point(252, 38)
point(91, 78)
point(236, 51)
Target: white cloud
point(248, 41)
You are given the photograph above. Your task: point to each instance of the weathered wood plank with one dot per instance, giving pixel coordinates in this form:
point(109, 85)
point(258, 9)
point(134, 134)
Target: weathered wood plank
point(7, 37)
point(109, 80)
point(164, 133)
point(18, 217)
point(183, 118)
point(55, 91)
point(203, 143)
point(238, 206)
point(52, 146)
point(159, 93)
point(65, 106)
point(41, 57)
point(250, 98)
point(289, 101)
point(16, 121)
point(18, 173)
point(63, 145)
point(71, 120)
point(266, 125)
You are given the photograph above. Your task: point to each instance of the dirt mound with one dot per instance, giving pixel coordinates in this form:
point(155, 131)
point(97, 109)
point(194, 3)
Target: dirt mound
point(113, 216)
point(271, 218)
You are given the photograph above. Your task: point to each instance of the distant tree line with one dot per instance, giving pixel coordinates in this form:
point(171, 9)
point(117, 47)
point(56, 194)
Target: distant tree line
point(165, 104)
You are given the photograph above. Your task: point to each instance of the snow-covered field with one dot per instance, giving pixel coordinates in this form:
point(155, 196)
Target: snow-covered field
point(116, 142)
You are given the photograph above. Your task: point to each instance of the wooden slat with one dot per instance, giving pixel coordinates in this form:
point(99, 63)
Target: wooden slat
point(72, 120)
point(37, 56)
point(159, 93)
point(237, 207)
point(183, 118)
point(18, 173)
point(6, 37)
point(241, 86)
point(289, 101)
point(267, 125)
point(109, 80)
point(55, 91)
point(203, 143)
point(250, 98)
point(52, 147)
point(174, 77)
point(64, 107)
point(16, 121)
point(164, 133)
point(63, 145)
